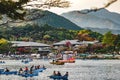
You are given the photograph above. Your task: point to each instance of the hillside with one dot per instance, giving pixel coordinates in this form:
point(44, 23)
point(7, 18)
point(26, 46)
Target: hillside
point(40, 17)
point(95, 20)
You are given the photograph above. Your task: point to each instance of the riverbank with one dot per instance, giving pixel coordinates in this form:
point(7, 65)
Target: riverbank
point(98, 56)
point(80, 56)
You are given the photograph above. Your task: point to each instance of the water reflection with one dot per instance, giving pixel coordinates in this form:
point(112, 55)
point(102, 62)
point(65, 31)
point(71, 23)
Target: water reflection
point(80, 70)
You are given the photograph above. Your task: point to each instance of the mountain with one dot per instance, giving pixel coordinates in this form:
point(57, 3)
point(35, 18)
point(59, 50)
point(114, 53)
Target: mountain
point(100, 21)
point(39, 17)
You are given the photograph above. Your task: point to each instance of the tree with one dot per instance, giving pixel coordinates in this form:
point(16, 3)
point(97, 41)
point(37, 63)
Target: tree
point(46, 37)
point(12, 9)
point(15, 8)
point(4, 45)
point(109, 38)
point(84, 35)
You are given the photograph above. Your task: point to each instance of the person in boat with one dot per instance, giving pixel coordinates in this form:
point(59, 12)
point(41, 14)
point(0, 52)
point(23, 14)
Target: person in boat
point(43, 67)
point(53, 61)
point(20, 71)
point(54, 73)
point(3, 61)
point(58, 74)
point(7, 70)
point(31, 68)
point(38, 67)
point(31, 71)
point(26, 69)
point(66, 74)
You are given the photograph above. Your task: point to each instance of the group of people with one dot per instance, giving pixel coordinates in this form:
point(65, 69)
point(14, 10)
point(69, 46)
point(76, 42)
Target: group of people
point(59, 74)
point(2, 61)
point(27, 70)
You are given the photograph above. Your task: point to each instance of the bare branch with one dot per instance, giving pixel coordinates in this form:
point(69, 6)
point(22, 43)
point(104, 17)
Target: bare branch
point(106, 5)
point(50, 3)
point(109, 3)
point(97, 9)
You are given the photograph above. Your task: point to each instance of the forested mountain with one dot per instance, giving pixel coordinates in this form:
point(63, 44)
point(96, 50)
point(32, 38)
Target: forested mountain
point(40, 17)
point(37, 33)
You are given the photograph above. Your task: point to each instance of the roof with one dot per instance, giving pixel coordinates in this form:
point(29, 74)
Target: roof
point(25, 44)
point(73, 42)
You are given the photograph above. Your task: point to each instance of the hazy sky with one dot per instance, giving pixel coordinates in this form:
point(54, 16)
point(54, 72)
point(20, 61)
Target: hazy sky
point(87, 4)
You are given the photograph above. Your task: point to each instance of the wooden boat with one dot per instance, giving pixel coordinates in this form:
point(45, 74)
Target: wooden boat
point(67, 61)
point(57, 63)
point(59, 77)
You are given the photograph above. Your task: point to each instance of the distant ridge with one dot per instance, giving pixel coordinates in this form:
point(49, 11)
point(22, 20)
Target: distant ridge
point(95, 20)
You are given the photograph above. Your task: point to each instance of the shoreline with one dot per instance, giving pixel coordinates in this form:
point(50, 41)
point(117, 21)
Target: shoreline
point(80, 56)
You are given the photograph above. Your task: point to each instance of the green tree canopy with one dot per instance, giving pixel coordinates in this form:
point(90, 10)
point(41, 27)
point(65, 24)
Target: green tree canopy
point(15, 8)
point(108, 38)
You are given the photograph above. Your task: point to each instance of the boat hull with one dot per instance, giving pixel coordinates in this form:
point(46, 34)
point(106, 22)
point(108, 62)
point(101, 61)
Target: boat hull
point(59, 77)
point(57, 63)
point(67, 61)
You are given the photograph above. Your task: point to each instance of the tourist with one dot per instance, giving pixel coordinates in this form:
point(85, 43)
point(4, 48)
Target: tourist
point(20, 71)
point(38, 67)
point(26, 69)
point(66, 74)
point(7, 70)
point(31, 68)
point(58, 74)
point(53, 61)
point(43, 67)
point(54, 73)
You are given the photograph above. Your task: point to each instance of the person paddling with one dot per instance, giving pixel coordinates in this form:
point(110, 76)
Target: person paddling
point(54, 73)
point(7, 70)
point(66, 74)
point(58, 74)
point(20, 71)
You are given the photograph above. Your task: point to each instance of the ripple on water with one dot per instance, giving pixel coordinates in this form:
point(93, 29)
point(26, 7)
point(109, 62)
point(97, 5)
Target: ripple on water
point(80, 70)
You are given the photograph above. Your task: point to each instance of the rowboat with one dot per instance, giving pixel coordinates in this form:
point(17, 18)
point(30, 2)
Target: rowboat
point(28, 75)
point(39, 70)
point(57, 63)
point(35, 73)
point(9, 73)
point(59, 77)
point(67, 61)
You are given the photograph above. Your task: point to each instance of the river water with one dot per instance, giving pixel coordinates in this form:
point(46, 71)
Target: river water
point(80, 70)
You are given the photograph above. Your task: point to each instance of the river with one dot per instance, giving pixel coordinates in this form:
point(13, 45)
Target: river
point(80, 70)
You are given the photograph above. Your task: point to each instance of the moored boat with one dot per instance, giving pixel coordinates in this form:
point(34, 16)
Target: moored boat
point(67, 61)
point(57, 63)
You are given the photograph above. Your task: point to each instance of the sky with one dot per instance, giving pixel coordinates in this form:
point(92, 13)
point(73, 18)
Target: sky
point(87, 4)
